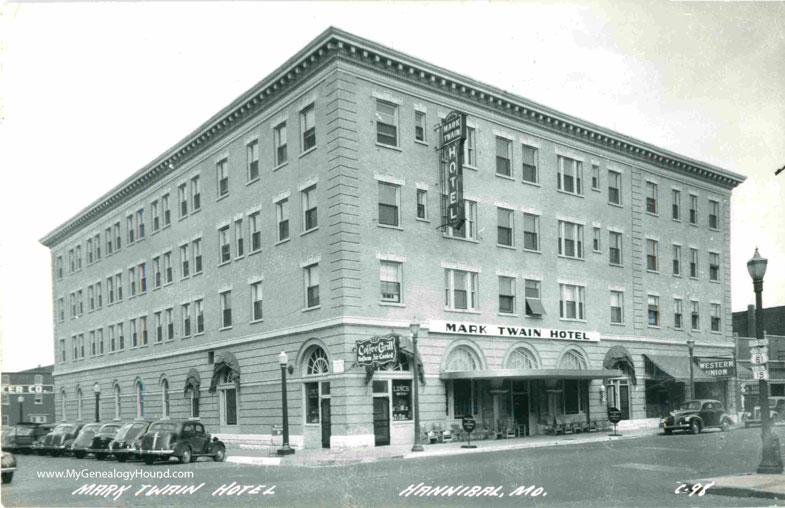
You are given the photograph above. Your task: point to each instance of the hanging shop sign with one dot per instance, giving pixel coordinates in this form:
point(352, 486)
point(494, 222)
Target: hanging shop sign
point(496, 330)
point(453, 137)
point(377, 351)
point(717, 367)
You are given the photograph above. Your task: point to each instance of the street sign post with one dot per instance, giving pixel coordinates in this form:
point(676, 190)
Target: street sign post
point(469, 424)
point(614, 416)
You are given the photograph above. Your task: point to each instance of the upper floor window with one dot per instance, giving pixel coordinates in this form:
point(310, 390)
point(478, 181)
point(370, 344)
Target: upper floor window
point(570, 175)
point(617, 307)
point(386, 123)
point(676, 205)
point(255, 230)
point(182, 196)
point(654, 310)
point(714, 215)
point(185, 261)
point(238, 238)
point(167, 213)
point(196, 194)
point(461, 290)
point(419, 126)
point(470, 147)
point(310, 219)
point(694, 263)
point(651, 198)
point(468, 229)
point(196, 247)
point(503, 162)
point(140, 223)
point(389, 204)
point(506, 295)
point(252, 158)
point(652, 255)
point(225, 299)
point(279, 143)
point(308, 127)
point(311, 274)
point(256, 301)
point(529, 164)
point(390, 278)
point(614, 187)
point(678, 313)
point(696, 320)
point(89, 251)
point(532, 293)
point(155, 213)
point(422, 204)
point(504, 228)
point(59, 267)
point(222, 172)
point(693, 209)
point(570, 240)
point(715, 317)
point(571, 303)
point(676, 259)
point(225, 245)
point(595, 177)
point(282, 219)
point(531, 232)
point(78, 257)
point(714, 266)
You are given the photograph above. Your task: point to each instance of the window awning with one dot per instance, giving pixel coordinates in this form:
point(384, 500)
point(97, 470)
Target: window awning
point(225, 363)
point(192, 382)
point(678, 367)
point(535, 306)
point(532, 374)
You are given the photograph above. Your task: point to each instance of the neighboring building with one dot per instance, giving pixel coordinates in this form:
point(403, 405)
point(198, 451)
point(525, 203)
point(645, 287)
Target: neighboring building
point(306, 216)
point(774, 327)
point(28, 396)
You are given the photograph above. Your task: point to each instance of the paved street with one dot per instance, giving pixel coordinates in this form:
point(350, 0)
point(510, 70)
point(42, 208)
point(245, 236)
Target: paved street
point(636, 472)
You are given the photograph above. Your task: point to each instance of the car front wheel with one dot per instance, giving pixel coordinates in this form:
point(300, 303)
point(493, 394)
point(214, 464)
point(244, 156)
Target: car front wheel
point(80, 454)
point(725, 426)
point(185, 456)
point(100, 456)
point(695, 427)
point(220, 455)
point(121, 458)
point(7, 477)
point(149, 459)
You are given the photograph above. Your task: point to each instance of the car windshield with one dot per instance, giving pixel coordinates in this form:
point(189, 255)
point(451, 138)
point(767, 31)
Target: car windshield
point(63, 429)
point(24, 430)
point(693, 404)
point(109, 430)
point(163, 426)
point(129, 431)
point(91, 428)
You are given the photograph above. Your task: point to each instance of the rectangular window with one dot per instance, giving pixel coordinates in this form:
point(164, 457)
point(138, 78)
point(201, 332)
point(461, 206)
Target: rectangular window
point(134, 335)
point(196, 194)
point(282, 219)
point(461, 290)
point(120, 337)
point(390, 277)
point(112, 340)
point(71, 261)
point(129, 224)
point(199, 311)
point(652, 255)
point(596, 241)
point(225, 246)
point(614, 187)
point(60, 310)
point(252, 158)
point(470, 147)
point(279, 142)
point(97, 247)
point(506, 295)
point(714, 215)
point(256, 301)
point(142, 272)
point(570, 176)
point(310, 220)
point(222, 174)
point(185, 265)
point(595, 177)
point(693, 209)
point(238, 238)
point(118, 284)
point(89, 251)
point(185, 311)
point(99, 295)
point(255, 230)
point(530, 166)
point(59, 267)
point(389, 204)
point(468, 229)
point(715, 317)
point(678, 313)
point(73, 305)
point(676, 205)
point(143, 329)
point(78, 257)
point(617, 307)
point(108, 237)
point(169, 320)
point(402, 399)
point(386, 123)
point(676, 259)
point(169, 276)
point(503, 162)
point(182, 196)
point(654, 310)
point(462, 397)
point(694, 263)
point(157, 272)
point(90, 299)
point(422, 204)
point(714, 266)
point(533, 298)
point(80, 302)
point(156, 215)
point(419, 126)
point(93, 345)
point(308, 127)
point(167, 213)
point(225, 299)
point(531, 232)
point(651, 198)
point(140, 223)
point(159, 327)
point(571, 303)
point(504, 228)
point(573, 396)
point(570, 240)
point(311, 286)
point(696, 320)
point(196, 248)
point(132, 282)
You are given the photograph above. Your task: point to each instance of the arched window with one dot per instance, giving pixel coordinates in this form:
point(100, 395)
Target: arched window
point(317, 364)
point(573, 360)
point(193, 396)
point(462, 358)
point(521, 358)
point(229, 395)
point(139, 399)
point(116, 391)
point(63, 405)
point(317, 393)
point(165, 399)
point(78, 404)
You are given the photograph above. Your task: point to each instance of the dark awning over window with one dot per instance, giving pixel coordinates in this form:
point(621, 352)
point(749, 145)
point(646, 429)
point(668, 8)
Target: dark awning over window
point(678, 367)
point(535, 306)
point(405, 351)
point(532, 374)
point(618, 357)
point(225, 364)
point(192, 382)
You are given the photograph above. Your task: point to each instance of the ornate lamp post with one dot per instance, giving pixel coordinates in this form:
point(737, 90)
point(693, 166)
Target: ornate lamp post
point(97, 391)
point(691, 346)
point(20, 400)
point(285, 449)
point(417, 447)
point(771, 461)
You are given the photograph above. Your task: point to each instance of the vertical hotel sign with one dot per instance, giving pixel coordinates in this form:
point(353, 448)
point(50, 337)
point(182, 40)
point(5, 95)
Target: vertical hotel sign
point(453, 137)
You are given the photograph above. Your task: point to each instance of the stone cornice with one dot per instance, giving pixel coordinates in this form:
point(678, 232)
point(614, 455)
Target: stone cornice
point(334, 43)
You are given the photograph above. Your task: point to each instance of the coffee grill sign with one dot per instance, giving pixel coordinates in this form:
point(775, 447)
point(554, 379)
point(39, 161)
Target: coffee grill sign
point(453, 137)
point(377, 350)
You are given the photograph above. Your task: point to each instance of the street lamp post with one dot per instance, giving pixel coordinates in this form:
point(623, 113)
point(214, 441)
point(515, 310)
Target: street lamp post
point(691, 345)
point(20, 400)
point(285, 449)
point(97, 391)
point(771, 461)
point(417, 447)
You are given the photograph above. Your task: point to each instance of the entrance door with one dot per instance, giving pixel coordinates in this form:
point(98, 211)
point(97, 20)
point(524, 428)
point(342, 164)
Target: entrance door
point(381, 420)
point(624, 401)
point(520, 409)
point(326, 433)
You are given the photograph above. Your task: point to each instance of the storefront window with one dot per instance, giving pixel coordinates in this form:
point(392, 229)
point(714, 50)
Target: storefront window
point(402, 399)
point(312, 402)
point(462, 397)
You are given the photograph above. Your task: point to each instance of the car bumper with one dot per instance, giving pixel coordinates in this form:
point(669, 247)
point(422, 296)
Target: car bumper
point(98, 450)
point(155, 452)
point(673, 426)
point(8, 470)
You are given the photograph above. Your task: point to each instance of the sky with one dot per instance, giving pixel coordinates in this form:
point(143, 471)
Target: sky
point(91, 92)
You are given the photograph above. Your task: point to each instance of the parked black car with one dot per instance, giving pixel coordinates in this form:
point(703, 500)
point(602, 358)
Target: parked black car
point(776, 412)
point(696, 415)
point(58, 441)
point(8, 466)
point(81, 445)
point(122, 446)
point(186, 440)
point(20, 439)
point(100, 443)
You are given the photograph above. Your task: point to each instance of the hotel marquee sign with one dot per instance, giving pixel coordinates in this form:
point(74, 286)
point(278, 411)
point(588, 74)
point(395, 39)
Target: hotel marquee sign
point(453, 137)
point(496, 330)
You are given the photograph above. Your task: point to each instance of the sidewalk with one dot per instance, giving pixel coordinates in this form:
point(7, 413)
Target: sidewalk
point(770, 486)
point(321, 457)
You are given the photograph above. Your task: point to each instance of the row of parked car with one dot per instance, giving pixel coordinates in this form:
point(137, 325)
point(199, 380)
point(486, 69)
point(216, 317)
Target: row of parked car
point(142, 439)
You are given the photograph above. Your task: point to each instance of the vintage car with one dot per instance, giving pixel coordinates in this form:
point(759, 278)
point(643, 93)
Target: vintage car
point(8, 467)
point(99, 446)
point(184, 439)
point(59, 440)
point(122, 446)
point(80, 446)
point(696, 415)
point(776, 410)
point(20, 439)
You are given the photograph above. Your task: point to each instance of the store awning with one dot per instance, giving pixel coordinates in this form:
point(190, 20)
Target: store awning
point(225, 364)
point(532, 374)
point(618, 357)
point(678, 367)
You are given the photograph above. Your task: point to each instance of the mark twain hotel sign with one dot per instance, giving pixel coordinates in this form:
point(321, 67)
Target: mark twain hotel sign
point(496, 330)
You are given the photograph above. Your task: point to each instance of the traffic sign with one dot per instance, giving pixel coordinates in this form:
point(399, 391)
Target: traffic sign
point(614, 415)
point(762, 374)
point(468, 423)
point(759, 343)
point(758, 368)
point(759, 359)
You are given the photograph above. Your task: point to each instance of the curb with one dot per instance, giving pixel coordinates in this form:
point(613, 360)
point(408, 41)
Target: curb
point(737, 491)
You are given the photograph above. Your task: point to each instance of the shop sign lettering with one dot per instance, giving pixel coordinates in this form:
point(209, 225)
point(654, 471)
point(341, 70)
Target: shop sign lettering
point(460, 328)
point(377, 350)
point(28, 388)
point(717, 367)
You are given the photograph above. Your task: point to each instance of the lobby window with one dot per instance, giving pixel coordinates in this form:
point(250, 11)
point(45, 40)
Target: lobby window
point(199, 311)
point(714, 266)
point(167, 213)
point(676, 204)
point(311, 277)
point(279, 143)
point(238, 238)
point(678, 314)
point(503, 156)
point(506, 295)
point(596, 244)
point(155, 213)
point(255, 230)
point(308, 127)
point(256, 301)
point(571, 303)
point(140, 223)
point(533, 298)
point(185, 312)
point(159, 327)
point(468, 229)
point(132, 282)
point(693, 209)
point(654, 310)
point(595, 177)
point(504, 228)
point(470, 147)
point(676, 259)
point(196, 249)
point(714, 215)
point(696, 318)
point(222, 176)
point(168, 267)
point(531, 232)
point(389, 204)
point(573, 396)
point(118, 284)
point(461, 290)
point(570, 176)
point(252, 159)
point(225, 300)
point(651, 198)
point(185, 265)
point(142, 272)
point(386, 123)
point(224, 245)
point(694, 263)
point(129, 224)
point(529, 165)
point(310, 219)
point(614, 187)
point(282, 219)
point(182, 196)
point(196, 194)
point(390, 280)
point(419, 126)
point(462, 397)
point(715, 317)
point(617, 307)
point(652, 255)
point(169, 321)
point(422, 204)
point(157, 272)
point(570, 240)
